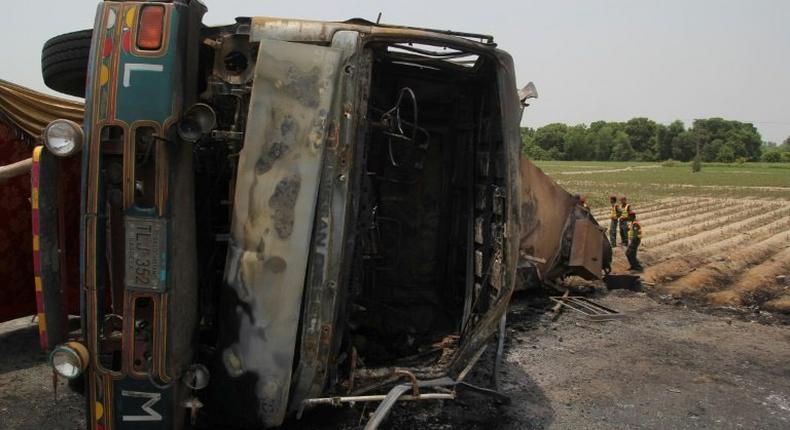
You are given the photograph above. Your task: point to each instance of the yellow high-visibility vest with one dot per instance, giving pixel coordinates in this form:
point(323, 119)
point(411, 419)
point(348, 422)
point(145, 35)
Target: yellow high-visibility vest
point(624, 214)
point(634, 233)
point(615, 212)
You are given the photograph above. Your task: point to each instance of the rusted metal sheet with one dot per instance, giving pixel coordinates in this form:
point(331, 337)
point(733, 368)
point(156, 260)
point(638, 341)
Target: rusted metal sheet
point(306, 31)
point(586, 246)
point(558, 237)
point(275, 203)
point(545, 212)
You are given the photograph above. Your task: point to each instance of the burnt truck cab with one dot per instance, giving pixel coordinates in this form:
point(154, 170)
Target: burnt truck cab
point(282, 213)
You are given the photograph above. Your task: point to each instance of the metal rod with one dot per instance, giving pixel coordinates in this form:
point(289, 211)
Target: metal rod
point(15, 169)
point(499, 350)
point(472, 362)
point(375, 398)
point(385, 406)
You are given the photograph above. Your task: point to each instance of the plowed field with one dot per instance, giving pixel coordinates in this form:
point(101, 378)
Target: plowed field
point(720, 237)
point(723, 252)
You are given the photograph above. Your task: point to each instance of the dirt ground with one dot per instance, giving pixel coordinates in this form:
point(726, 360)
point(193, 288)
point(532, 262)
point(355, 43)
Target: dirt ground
point(662, 366)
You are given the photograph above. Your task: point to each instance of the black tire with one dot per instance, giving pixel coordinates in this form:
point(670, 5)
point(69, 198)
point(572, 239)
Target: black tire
point(64, 62)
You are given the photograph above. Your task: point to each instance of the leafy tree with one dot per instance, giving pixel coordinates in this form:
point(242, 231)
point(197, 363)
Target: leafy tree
point(576, 145)
point(597, 125)
point(684, 146)
point(710, 152)
point(743, 137)
point(716, 127)
point(527, 133)
point(726, 154)
point(696, 165)
point(529, 148)
point(622, 149)
point(647, 155)
point(773, 156)
point(555, 154)
point(745, 141)
point(535, 152)
point(664, 137)
point(645, 140)
point(551, 136)
point(601, 141)
point(640, 132)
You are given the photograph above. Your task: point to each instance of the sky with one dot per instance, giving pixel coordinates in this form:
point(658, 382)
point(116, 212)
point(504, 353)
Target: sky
point(590, 60)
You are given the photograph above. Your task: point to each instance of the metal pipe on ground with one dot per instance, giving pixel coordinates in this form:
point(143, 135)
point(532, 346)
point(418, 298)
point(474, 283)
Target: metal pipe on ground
point(385, 406)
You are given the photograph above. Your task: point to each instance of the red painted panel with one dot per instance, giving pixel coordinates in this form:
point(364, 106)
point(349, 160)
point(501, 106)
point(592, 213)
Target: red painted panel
point(17, 291)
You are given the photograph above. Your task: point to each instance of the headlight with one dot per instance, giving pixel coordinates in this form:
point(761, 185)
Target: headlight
point(63, 137)
point(69, 360)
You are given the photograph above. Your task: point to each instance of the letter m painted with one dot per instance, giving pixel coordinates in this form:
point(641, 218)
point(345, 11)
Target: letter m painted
point(149, 413)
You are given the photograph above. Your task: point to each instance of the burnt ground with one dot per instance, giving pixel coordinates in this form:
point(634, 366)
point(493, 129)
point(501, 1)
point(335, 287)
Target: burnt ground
point(662, 366)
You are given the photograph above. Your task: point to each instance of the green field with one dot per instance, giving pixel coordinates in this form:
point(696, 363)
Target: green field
point(648, 181)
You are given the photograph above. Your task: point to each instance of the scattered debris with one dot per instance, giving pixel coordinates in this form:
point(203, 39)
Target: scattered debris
point(557, 309)
point(591, 310)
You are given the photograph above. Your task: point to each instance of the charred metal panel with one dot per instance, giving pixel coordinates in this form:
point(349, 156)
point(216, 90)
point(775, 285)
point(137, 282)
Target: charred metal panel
point(586, 246)
point(546, 210)
point(297, 30)
point(330, 252)
point(275, 205)
point(558, 237)
point(479, 333)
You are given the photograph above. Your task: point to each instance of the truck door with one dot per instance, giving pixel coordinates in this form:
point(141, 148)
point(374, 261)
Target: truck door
point(279, 173)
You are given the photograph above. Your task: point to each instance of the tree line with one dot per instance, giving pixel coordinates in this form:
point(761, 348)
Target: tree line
point(642, 139)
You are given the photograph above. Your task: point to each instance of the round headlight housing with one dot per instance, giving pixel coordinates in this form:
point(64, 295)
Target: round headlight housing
point(63, 137)
point(69, 360)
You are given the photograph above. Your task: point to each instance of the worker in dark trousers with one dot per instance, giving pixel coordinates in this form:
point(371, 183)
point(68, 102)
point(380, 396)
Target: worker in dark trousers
point(625, 209)
point(614, 218)
point(634, 240)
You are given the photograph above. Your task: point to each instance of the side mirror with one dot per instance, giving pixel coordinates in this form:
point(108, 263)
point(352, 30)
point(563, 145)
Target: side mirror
point(196, 122)
point(528, 92)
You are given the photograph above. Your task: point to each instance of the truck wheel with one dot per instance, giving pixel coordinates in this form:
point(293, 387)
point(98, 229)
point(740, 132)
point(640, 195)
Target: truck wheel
point(64, 62)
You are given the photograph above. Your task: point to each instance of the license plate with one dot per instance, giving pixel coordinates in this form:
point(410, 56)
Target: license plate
point(146, 241)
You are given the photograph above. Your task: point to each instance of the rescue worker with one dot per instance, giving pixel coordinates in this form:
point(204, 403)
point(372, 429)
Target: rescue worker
point(614, 217)
point(625, 210)
point(634, 240)
point(583, 202)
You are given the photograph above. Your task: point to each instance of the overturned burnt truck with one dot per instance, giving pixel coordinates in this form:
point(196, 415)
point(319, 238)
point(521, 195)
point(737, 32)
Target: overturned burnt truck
point(281, 213)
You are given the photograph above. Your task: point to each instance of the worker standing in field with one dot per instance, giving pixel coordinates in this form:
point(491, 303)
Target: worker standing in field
point(634, 240)
point(625, 209)
point(583, 202)
point(614, 218)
